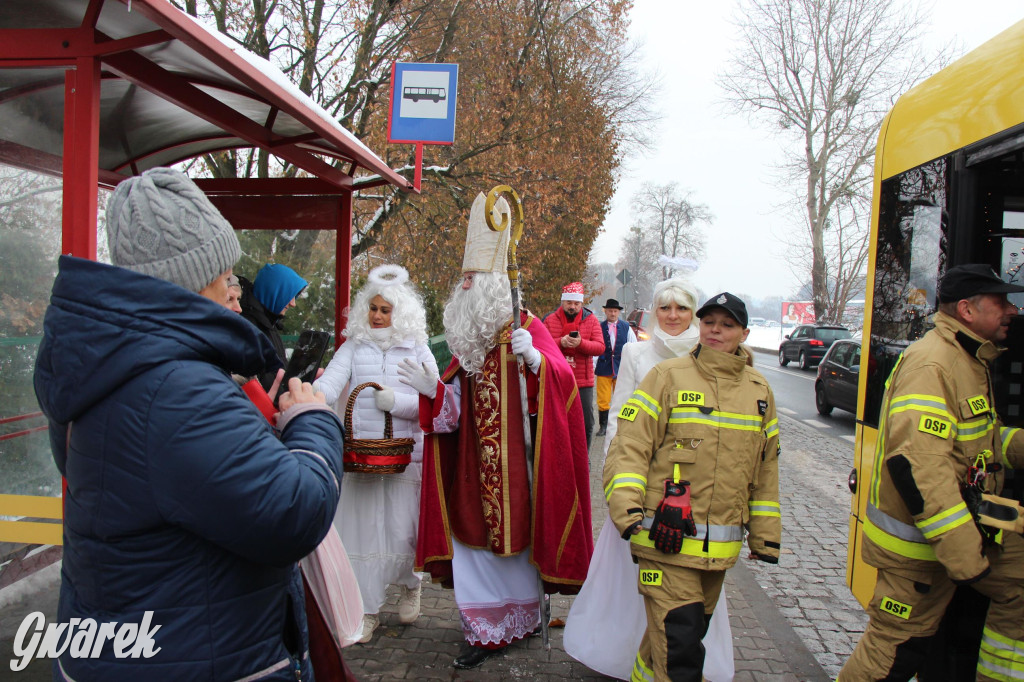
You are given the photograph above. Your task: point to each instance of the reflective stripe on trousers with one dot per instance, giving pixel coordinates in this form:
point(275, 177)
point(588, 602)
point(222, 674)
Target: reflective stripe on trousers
point(1000, 658)
point(641, 673)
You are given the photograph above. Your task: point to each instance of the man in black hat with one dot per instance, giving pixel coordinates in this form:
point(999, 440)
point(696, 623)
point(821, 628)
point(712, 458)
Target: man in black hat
point(941, 447)
point(617, 333)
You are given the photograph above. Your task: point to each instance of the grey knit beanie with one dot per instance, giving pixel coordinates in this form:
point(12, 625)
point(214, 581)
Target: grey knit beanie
point(160, 224)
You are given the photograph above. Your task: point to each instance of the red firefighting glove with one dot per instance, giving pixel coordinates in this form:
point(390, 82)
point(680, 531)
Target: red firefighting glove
point(673, 518)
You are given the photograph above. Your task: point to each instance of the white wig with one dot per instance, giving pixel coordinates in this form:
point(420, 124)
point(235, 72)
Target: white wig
point(678, 290)
point(408, 316)
point(473, 317)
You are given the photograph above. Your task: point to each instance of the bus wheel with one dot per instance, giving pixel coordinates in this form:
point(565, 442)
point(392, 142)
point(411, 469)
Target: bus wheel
point(820, 401)
point(782, 358)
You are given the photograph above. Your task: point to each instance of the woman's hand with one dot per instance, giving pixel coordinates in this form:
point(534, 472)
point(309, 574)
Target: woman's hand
point(384, 399)
point(298, 393)
point(419, 376)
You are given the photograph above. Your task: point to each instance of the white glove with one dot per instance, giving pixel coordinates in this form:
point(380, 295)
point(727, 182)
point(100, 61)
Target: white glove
point(384, 399)
point(522, 344)
point(421, 377)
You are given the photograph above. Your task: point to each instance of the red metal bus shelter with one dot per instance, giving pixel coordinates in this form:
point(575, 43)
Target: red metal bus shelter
point(95, 91)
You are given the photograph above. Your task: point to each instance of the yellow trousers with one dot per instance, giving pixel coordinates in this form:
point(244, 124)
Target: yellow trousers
point(605, 388)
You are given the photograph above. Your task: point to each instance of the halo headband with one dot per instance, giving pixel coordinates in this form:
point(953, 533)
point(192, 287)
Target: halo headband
point(386, 275)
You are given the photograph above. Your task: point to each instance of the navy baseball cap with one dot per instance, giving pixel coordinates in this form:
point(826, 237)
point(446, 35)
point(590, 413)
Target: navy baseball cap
point(972, 279)
point(731, 304)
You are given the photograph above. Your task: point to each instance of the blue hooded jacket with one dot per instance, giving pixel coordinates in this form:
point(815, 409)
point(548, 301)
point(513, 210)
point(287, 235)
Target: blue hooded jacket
point(181, 499)
point(275, 286)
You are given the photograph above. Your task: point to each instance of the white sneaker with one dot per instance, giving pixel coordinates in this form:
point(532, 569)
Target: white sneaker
point(409, 604)
point(370, 623)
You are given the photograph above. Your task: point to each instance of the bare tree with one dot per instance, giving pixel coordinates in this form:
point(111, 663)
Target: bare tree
point(640, 257)
point(826, 72)
point(550, 99)
point(672, 220)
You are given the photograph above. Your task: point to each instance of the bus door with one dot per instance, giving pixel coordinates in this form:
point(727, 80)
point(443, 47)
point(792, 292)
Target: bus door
point(966, 207)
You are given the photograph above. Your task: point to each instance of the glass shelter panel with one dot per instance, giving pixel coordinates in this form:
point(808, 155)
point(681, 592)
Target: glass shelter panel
point(30, 234)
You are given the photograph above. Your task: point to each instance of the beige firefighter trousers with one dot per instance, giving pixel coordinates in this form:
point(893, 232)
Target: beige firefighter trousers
point(1002, 642)
point(666, 587)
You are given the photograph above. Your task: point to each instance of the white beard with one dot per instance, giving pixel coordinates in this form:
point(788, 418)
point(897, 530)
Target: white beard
point(473, 317)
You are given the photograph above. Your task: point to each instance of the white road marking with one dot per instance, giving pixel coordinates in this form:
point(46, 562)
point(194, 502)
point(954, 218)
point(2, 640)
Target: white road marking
point(786, 411)
point(798, 373)
point(851, 438)
point(815, 423)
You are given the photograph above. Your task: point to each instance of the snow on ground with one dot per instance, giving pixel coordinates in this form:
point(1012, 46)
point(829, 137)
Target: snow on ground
point(765, 338)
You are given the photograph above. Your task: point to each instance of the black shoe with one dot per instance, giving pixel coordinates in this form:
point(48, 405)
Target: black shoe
point(602, 431)
point(472, 656)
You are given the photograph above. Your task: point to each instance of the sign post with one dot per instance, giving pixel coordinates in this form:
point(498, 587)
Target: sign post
point(422, 107)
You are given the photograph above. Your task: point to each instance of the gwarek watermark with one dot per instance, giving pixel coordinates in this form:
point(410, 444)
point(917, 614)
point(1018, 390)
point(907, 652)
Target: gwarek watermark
point(82, 638)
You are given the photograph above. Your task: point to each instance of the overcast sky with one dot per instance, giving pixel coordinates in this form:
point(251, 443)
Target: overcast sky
point(724, 160)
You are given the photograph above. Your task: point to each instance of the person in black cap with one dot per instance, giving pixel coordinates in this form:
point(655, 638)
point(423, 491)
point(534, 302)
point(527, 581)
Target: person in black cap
point(692, 469)
point(617, 333)
point(940, 447)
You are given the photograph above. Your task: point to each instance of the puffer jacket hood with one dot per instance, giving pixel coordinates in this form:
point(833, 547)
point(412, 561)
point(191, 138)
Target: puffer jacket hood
point(117, 324)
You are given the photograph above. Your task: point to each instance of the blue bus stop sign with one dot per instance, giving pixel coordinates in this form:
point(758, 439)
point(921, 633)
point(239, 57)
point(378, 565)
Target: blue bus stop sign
point(423, 103)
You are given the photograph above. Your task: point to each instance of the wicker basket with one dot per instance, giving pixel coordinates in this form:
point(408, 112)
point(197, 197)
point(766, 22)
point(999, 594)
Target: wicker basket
point(385, 455)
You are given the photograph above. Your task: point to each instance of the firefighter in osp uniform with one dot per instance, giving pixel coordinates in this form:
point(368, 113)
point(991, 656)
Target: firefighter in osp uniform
point(693, 464)
point(939, 448)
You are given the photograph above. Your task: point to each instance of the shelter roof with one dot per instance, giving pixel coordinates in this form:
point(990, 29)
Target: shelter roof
point(171, 90)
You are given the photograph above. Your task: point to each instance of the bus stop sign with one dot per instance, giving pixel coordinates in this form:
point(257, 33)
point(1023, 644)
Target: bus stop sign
point(423, 103)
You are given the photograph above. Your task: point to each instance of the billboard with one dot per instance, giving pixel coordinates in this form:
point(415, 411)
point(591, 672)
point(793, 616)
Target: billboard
point(797, 312)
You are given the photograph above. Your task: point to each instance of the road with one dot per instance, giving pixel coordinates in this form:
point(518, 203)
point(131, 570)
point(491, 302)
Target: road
point(794, 397)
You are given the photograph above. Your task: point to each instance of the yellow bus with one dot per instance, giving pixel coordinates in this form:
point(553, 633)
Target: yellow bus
point(948, 189)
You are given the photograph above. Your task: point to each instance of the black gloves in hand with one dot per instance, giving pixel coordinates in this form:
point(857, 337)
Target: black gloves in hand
point(673, 519)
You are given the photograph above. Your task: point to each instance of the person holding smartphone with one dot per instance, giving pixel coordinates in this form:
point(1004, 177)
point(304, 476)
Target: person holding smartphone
point(184, 508)
point(579, 335)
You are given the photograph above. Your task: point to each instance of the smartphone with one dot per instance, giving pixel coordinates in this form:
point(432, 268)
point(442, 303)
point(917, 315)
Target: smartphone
point(306, 357)
point(574, 334)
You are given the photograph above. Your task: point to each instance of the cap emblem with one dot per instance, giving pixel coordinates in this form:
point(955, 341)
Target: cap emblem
point(721, 299)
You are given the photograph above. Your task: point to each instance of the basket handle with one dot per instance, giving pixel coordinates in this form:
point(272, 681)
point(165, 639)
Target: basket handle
point(352, 403)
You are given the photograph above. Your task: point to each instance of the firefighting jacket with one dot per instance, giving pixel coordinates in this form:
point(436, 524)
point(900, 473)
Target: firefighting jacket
point(937, 420)
point(707, 418)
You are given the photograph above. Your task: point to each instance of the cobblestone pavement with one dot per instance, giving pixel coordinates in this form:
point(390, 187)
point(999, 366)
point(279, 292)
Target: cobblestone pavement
point(793, 622)
point(767, 644)
point(809, 584)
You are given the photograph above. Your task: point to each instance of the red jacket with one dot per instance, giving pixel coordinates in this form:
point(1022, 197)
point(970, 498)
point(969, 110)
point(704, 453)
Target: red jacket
point(581, 357)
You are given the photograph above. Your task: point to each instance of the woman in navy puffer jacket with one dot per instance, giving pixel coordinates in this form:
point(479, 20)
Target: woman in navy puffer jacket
point(181, 500)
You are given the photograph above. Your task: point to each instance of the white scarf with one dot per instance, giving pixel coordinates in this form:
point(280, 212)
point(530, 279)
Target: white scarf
point(384, 337)
point(675, 346)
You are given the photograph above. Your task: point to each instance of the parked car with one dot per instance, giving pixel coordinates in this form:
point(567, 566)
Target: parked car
point(640, 321)
point(838, 376)
point(808, 343)
point(756, 322)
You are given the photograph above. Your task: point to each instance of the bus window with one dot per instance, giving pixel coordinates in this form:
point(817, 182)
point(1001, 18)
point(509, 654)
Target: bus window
point(994, 197)
point(910, 255)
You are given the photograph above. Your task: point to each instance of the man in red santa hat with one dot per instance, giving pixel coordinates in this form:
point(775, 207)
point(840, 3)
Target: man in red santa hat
point(499, 523)
point(579, 335)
